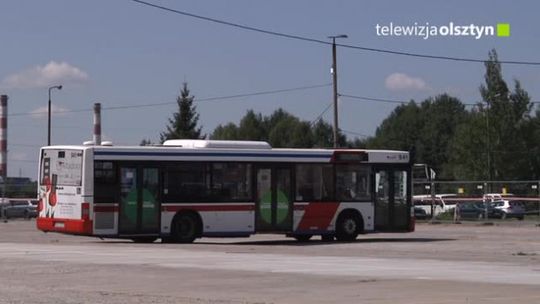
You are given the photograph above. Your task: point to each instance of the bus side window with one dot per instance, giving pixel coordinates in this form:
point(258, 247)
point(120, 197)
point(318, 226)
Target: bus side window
point(352, 182)
point(231, 182)
point(186, 182)
point(105, 182)
point(314, 182)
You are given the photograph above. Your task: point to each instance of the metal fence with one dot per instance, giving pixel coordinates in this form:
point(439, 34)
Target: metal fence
point(478, 188)
point(526, 192)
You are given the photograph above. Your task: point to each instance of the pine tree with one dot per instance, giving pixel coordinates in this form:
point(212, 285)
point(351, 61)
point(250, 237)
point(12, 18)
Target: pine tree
point(183, 124)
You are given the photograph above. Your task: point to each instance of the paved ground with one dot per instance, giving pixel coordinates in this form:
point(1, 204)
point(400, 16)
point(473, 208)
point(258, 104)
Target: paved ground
point(467, 263)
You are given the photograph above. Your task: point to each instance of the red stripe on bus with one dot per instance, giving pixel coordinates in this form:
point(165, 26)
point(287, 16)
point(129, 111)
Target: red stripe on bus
point(317, 216)
point(98, 208)
point(209, 208)
point(64, 225)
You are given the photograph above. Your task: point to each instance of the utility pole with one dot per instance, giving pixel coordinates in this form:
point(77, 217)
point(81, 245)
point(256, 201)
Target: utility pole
point(58, 87)
point(488, 148)
point(334, 77)
point(3, 152)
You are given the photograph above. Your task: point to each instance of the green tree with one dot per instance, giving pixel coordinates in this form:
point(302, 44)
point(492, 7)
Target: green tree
point(531, 131)
point(228, 131)
point(183, 124)
point(280, 129)
point(498, 132)
point(290, 132)
point(323, 134)
point(400, 130)
point(426, 128)
point(468, 148)
point(252, 127)
point(440, 117)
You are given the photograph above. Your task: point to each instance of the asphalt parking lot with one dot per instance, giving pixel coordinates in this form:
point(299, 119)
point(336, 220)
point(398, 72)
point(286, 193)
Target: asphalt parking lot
point(445, 263)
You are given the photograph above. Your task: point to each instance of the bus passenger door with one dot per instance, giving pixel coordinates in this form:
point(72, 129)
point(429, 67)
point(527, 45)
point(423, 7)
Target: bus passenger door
point(273, 198)
point(139, 200)
point(392, 207)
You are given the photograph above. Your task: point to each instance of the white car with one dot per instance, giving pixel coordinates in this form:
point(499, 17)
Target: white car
point(441, 203)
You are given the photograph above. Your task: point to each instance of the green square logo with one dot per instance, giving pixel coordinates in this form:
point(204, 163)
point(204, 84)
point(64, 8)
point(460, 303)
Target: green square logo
point(503, 29)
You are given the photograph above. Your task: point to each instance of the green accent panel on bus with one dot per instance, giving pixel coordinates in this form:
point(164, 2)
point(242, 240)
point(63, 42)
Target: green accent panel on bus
point(265, 207)
point(149, 209)
point(283, 206)
point(129, 209)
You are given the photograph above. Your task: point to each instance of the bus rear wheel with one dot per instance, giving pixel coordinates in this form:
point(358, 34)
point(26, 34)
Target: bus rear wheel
point(348, 227)
point(185, 228)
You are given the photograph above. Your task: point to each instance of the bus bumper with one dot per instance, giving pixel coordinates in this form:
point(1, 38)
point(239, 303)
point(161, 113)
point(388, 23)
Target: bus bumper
point(65, 225)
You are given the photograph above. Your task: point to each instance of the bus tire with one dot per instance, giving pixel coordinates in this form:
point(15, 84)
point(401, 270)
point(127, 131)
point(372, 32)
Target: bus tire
point(186, 227)
point(303, 237)
point(348, 225)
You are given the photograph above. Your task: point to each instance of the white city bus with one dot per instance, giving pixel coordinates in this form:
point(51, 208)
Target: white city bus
point(186, 189)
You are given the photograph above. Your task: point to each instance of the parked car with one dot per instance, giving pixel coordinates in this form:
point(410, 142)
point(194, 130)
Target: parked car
point(439, 203)
point(420, 213)
point(477, 210)
point(23, 208)
point(491, 197)
point(509, 209)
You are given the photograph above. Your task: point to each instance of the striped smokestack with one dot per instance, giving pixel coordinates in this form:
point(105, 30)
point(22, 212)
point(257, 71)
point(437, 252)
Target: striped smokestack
point(3, 136)
point(97, 123)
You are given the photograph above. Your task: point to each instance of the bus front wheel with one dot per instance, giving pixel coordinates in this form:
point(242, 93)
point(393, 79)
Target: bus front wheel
point(185, 228)
point(348, 227)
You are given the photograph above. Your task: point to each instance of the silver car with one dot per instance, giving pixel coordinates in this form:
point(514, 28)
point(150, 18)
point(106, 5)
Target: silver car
point(509, 209)
point(22, 208)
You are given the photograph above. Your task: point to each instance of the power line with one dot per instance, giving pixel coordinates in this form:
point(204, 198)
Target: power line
point(313, 122)
point(354, 133)
point(302, 88)
point(313, 40)
point(223, 97)
point(45, 112)
point(398, 101)
point(266, 92)
point(374, 99)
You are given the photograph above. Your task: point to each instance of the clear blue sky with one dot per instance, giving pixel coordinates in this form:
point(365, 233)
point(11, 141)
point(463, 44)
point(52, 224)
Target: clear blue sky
point(122, 53)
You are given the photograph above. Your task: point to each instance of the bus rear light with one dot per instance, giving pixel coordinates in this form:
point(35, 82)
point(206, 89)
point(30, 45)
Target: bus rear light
point(85, 211)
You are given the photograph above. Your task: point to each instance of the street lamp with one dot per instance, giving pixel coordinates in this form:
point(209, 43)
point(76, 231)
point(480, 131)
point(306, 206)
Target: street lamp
point(334, 74)
point(59, 87)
